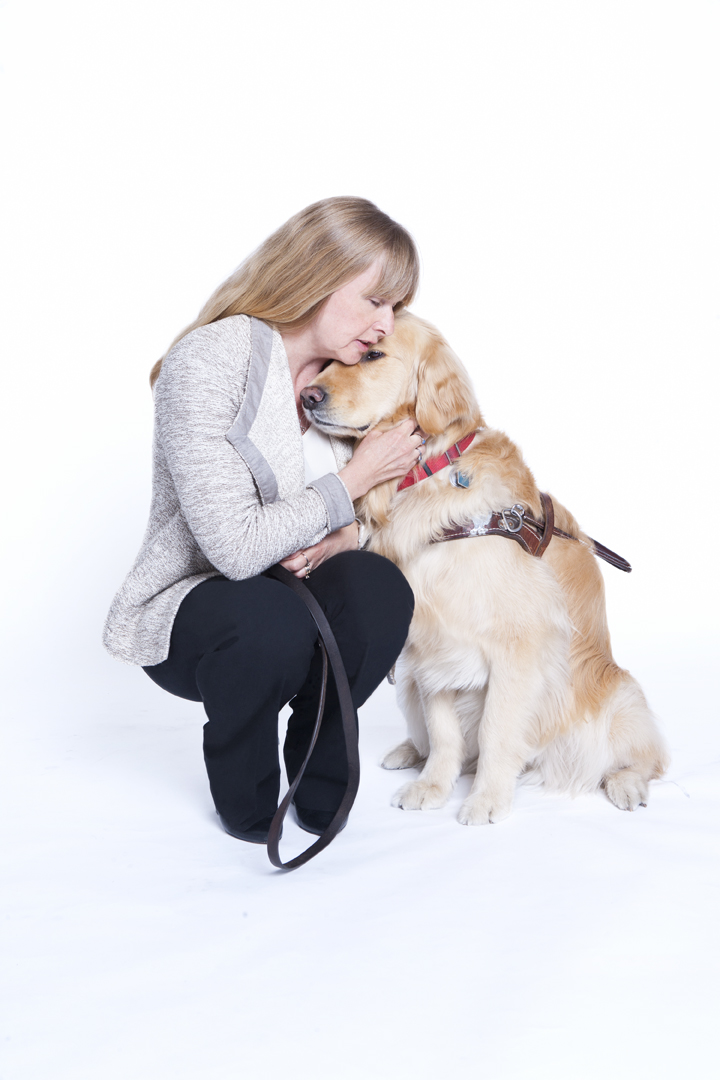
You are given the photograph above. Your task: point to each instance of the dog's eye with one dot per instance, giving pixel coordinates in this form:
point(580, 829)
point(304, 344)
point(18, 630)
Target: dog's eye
point(373, 354)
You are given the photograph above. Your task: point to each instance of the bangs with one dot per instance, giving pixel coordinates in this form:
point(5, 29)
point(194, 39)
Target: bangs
point(399, 277)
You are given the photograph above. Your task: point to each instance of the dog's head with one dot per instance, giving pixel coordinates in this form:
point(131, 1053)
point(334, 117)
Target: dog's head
point(413, 373)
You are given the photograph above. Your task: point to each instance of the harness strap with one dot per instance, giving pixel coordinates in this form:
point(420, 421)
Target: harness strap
point(533, 536)
point(329, 647)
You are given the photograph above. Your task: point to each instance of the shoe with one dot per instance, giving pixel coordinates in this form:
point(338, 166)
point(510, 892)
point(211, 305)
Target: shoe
point(255, 834)
point(315, 821)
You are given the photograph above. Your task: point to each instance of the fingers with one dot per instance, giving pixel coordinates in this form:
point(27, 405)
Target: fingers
point(412, 432)
point(296, 563)
point(406, 434)
point(300, 565)
point(409, 442)
point(303, 562)
point(383, 455)
point(403, 439)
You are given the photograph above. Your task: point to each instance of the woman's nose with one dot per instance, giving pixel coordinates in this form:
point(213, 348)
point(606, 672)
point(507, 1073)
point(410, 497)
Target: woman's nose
point(385, 323)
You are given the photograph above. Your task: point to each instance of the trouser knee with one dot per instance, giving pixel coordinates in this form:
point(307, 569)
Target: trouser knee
point(369, 605)
point(267, 662)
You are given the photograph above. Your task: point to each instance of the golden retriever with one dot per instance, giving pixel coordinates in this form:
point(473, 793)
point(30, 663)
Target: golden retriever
point(507, 667)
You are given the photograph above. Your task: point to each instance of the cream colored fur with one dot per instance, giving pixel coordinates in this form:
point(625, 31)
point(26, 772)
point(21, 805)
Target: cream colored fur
point(507, 667)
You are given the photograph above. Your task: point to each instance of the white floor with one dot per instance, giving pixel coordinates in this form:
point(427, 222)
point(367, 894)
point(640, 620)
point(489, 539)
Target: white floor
point(557, 165)
point(571, 941)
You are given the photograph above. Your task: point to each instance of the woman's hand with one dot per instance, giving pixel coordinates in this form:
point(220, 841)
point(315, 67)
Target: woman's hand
point(302, 562)
point(382, 455)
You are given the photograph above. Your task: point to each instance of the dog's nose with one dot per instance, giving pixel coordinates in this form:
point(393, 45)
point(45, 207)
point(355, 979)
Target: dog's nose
point(312, 396)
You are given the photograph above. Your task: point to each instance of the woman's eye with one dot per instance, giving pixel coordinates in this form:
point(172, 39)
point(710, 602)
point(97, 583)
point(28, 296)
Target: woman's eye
point(375, 303)
point(373, 354)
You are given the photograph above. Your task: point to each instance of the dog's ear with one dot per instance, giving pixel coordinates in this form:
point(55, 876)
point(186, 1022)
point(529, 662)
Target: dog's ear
point(445, 395)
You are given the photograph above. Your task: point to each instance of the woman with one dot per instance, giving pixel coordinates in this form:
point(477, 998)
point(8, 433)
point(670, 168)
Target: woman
point(233, 495)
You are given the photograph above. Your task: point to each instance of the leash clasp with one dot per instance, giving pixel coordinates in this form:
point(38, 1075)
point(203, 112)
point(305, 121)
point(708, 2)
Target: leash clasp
point(512, 518)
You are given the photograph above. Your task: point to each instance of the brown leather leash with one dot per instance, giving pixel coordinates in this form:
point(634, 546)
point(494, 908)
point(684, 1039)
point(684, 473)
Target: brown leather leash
point(534, 536)
point(331, 652)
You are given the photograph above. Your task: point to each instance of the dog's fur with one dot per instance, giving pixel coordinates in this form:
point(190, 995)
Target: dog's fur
point(507, 668)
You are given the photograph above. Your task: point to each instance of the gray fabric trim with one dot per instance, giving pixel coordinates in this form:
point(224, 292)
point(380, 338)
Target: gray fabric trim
point(257, 375)
point(258, 466)
point(337, 499)
point(262, 337)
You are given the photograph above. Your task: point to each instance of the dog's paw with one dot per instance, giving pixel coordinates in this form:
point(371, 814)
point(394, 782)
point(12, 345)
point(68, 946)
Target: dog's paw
point(483, 809)
point(419, 795)
point(627, 789)
point(404, 756)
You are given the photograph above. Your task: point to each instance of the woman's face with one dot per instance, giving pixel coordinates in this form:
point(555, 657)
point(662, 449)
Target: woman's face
point(353, 318)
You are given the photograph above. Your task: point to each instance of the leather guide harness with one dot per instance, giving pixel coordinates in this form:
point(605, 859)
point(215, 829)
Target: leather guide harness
point(534, 536)
point(329, 648)
point(514, 523)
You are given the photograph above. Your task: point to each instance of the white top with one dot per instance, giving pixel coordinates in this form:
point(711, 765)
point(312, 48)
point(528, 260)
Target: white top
point(318, 454)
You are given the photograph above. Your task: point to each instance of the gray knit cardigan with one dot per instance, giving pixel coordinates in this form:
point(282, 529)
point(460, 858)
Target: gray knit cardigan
point(229, 493)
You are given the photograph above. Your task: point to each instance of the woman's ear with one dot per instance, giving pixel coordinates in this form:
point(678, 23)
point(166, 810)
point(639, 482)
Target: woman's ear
point(445, 395)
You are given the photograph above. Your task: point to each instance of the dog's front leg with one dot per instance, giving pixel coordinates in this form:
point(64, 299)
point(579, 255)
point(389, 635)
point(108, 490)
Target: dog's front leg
point(433, 787)
point(505, 736)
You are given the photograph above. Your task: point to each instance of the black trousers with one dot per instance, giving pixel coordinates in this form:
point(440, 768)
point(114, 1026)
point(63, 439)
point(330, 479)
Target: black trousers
point(246, 648)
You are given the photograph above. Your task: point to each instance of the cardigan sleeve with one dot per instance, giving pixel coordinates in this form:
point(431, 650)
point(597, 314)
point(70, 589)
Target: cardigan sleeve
point(197, 397)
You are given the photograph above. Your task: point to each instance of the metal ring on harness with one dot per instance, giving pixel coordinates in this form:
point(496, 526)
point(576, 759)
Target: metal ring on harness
point(517, 511)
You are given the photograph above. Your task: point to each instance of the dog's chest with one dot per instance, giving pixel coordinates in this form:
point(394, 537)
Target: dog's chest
point(439, 663)
point(453, 627)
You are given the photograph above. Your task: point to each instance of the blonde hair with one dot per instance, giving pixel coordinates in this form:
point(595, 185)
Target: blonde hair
point(288, 278)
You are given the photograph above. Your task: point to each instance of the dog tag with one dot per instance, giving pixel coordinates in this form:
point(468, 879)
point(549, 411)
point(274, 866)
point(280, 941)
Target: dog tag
point(460, 480)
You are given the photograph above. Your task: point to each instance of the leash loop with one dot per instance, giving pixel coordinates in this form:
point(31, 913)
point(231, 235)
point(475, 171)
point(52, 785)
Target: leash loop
point(331, 653)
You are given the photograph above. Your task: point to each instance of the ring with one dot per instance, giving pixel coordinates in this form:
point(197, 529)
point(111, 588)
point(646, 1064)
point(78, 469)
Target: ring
point(308, 567)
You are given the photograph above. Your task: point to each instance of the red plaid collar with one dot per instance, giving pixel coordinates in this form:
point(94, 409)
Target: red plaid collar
point(434, 465)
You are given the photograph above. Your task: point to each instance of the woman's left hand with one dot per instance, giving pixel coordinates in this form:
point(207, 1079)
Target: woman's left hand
point(303, 562)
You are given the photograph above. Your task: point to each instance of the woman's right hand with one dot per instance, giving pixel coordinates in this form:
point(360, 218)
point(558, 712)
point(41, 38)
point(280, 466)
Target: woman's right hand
point(382, 455)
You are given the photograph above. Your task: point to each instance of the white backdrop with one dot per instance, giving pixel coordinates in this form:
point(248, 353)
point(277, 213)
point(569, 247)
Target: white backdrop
point(558, 166)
